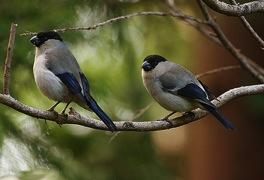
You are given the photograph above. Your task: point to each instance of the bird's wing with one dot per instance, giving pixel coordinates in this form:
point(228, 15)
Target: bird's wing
point(182, 85)
point(177, 77)
point(85, 84)
point(70, 82)
point(194, 92)
point(169, 81)
point(61, 60)
point(209, 93)
point(63, 64)
point(74, 87)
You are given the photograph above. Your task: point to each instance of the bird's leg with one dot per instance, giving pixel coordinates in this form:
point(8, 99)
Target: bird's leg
point(63, 111)
point(166, 118)
point(53, 107)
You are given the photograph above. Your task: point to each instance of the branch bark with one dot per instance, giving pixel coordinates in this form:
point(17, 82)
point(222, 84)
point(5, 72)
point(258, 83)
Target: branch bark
point(75, 118)
point(236, 10)
point(9, 56)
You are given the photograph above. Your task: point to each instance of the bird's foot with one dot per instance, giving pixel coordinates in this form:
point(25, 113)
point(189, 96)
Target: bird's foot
point(190, 113)
point(60, 121)
point(73, 111)
point(166, 118)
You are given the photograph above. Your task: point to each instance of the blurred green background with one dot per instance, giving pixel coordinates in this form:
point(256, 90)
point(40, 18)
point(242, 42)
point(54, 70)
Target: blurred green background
point(111, 58)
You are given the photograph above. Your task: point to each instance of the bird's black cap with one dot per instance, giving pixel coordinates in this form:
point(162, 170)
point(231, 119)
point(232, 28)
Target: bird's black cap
point(42, 37)
point(151, 61)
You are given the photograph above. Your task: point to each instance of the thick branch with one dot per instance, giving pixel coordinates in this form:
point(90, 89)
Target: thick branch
point(76, 118)
point(245, 62)
point(9, 56)
point(236, 10)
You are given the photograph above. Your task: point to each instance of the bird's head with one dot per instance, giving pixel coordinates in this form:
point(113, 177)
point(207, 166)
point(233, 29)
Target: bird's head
point(151, 61)
point(42, 37)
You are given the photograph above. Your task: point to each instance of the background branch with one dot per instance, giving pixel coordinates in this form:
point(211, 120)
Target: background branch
point(119, 18)
point(218, 70)
point(242, 59)
point(198, 26)
point(250, 29)
point(236, 10)
point(9, 56)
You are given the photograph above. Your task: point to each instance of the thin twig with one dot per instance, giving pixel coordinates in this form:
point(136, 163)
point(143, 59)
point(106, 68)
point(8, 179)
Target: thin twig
point(218, 70)
point(249, 27)
point(242, 59)
point(9, 56)
point(141, 112)
point(76, 118)
point(144, 13)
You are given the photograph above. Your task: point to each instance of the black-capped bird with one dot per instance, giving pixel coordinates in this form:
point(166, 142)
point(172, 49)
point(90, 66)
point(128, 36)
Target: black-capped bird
point(177, 89)
point(59, 77)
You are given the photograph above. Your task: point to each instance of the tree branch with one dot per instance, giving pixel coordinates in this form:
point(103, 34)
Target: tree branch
point(9, 56)
point(236, 10)
point(219, 37)
point(242, 59)
point(75, 118)
point(250, 29)
point(144, 13)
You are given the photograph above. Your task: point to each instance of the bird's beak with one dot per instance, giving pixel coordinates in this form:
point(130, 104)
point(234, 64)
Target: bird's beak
point(146, 66)
point(35, 41)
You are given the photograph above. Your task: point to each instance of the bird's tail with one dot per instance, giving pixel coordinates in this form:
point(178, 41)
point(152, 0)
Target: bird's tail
point(100, 113)
point(221, 118)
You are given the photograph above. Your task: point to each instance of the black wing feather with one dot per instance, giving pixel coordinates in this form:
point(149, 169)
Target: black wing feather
point(71, 82)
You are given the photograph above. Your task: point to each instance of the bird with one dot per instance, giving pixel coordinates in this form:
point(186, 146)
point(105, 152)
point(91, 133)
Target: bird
point(176, 89)
point(58, 75)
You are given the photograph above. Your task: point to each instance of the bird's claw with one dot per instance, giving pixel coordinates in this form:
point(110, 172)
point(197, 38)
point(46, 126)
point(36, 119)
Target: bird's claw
point(60, 121)
point(166, 119)
point(188, 113)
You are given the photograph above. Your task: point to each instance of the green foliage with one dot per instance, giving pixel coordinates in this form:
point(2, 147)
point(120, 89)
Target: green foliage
point(111, 57)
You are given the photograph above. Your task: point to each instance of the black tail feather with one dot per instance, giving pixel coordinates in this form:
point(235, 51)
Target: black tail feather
point(101, 114)
point(221, 118)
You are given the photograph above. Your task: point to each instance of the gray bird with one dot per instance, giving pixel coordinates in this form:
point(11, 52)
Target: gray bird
point(59, 77)
point(176, 89)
